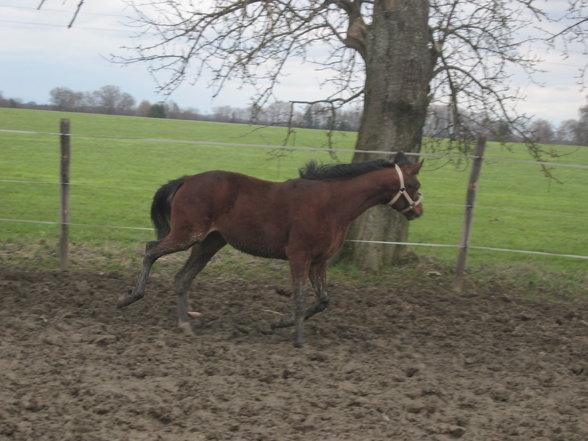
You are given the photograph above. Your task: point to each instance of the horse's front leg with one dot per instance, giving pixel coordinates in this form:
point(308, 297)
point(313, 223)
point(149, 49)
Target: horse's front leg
point(200, 256)
point(297, 318)
point(318, 279)
point(299, 267)
point(299, 313)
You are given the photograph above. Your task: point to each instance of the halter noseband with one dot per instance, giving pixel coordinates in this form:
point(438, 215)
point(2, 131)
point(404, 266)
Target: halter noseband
point(402, 192)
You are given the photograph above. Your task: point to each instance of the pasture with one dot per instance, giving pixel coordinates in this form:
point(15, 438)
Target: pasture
point(397, 356)
point(113, 181)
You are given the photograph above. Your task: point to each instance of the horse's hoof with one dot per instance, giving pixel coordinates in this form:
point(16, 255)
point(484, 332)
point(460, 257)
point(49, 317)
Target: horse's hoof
point(299, 343)
point(127, 300)
point(186, 329)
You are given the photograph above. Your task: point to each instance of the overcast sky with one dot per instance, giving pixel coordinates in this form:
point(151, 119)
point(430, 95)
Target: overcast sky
point(39, 53)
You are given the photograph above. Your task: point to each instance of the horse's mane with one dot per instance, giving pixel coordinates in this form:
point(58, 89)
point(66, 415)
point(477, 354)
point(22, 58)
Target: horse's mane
point(316, 172)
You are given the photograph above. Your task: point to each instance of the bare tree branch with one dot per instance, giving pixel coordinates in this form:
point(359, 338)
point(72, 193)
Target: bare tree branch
point(568, 29)
point(75, 14)
point(333, 106)
point(80, 4)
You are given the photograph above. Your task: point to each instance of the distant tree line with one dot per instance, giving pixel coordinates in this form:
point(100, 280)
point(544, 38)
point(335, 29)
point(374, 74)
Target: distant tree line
point(111, 100)
point(440, 124)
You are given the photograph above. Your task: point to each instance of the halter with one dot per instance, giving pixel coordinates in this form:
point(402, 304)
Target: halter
point(402, 192)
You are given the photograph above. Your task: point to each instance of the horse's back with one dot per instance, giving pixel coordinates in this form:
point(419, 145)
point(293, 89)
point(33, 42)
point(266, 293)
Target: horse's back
point(224, 187)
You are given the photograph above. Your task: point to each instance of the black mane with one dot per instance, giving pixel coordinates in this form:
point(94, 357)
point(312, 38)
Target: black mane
point(317, 172)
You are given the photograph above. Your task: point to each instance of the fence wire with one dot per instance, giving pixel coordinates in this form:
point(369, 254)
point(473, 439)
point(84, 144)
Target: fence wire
point(300, 148)
point(294, 148)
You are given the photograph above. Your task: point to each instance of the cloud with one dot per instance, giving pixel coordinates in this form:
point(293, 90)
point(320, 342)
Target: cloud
point(39, 53)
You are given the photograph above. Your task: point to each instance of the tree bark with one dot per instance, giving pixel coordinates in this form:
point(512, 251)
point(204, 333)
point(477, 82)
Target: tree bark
point(399, 67)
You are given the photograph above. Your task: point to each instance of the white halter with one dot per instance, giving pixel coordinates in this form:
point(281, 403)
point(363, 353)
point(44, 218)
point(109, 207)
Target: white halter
point(402, 192)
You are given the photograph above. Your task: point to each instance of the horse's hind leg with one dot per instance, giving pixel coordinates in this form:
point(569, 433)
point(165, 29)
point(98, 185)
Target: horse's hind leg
point(139, 291)
point(201, 254)
point(153, 251)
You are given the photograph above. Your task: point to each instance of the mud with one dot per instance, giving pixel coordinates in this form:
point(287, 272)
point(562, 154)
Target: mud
point(406, 361)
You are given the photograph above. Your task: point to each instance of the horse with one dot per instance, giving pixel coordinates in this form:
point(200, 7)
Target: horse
point(303, 221)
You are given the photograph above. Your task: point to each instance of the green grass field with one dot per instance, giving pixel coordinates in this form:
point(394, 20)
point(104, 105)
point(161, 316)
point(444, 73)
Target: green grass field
point(113, 181)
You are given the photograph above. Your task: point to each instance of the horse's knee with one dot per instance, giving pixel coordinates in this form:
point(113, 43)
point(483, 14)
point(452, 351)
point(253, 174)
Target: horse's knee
point(299, 304)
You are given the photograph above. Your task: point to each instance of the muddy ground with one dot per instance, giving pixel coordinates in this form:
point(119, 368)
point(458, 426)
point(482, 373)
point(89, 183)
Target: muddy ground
point(389, 361)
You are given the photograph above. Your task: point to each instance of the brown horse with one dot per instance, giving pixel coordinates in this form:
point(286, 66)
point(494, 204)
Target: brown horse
point(301, 220)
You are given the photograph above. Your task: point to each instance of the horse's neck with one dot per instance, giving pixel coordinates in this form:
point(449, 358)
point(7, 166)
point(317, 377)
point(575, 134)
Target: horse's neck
point(365, 191)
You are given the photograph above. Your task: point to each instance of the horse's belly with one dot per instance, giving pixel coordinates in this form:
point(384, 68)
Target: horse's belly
point(260, 250)
point(260, 244)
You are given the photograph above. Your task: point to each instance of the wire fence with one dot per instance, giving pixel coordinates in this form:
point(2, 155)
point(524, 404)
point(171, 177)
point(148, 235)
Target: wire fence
point(295, 148)
point(274, 148)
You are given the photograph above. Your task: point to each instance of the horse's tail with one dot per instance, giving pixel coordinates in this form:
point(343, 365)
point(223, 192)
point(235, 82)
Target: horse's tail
point(161, 206)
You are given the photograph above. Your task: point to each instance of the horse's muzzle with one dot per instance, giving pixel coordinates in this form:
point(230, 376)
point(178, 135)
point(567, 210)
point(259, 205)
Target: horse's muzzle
point(415, 213)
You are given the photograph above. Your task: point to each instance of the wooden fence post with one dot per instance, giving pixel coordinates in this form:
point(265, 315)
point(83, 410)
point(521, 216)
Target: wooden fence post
point(468, 213)
point(64, 128)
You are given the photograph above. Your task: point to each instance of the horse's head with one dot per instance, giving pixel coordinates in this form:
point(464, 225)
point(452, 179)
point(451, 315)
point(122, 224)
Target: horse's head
point(407, 200)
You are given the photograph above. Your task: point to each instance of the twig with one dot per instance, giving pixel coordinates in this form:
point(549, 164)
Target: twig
point(554, 36)
point(76, 14)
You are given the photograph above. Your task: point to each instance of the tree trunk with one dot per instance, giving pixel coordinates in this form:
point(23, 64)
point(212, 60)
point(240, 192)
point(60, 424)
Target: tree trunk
point(399, 68)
